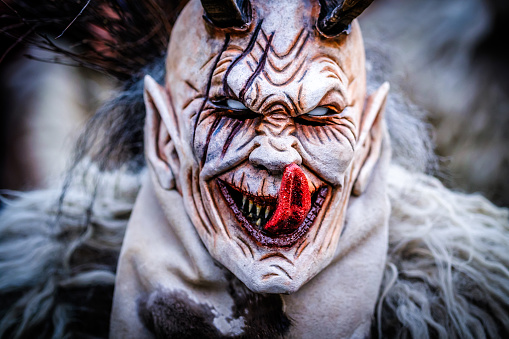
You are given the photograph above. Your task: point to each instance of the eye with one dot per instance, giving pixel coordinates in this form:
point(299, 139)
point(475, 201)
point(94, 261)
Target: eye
point(233, 109)
point(320, 116)
point(319, 111)
point(234, 104)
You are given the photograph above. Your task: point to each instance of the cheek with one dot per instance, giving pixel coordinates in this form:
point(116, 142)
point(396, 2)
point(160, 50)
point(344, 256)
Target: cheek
point(326, 150)
point(222, 142)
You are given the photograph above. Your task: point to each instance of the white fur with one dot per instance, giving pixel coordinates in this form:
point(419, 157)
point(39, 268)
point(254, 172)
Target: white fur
point(447, 272)
point(36, 248)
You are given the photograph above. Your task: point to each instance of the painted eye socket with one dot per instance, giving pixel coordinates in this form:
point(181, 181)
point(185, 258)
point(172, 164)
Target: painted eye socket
point(234, 104)
point(319, 111)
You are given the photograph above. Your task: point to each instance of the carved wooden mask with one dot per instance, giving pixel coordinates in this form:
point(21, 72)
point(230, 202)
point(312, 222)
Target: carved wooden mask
point(266, 131)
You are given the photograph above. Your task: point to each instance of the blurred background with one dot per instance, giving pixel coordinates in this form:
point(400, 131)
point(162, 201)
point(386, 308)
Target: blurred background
point(450, 57)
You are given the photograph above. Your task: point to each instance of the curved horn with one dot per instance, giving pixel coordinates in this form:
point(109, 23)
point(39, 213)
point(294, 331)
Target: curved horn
point(227, 13)
point(337, 15)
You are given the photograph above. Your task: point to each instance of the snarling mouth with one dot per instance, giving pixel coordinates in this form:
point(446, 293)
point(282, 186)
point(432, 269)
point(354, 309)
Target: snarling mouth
point(276, 221)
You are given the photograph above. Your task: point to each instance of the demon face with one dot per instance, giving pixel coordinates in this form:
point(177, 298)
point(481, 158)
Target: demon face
point(266, 132)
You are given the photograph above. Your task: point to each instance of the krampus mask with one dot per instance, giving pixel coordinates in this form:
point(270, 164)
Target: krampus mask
point(263, 143)
point(263, 209)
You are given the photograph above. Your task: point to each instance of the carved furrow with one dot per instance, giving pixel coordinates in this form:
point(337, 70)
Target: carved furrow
point(325, 130)
point(209, 135)
point(222, 66)
point(196, 195)
point(282, 270)
point(281, 63)
point(287, 80)
point(248, 49)
point(237, 125)
point(188, 83)
point(241, 248)
point(301, 249)
point(257, 71)
point(296, 110)
point(267, 97)
point(276, 255)
point(257, 93)
point(343, 132)
point(302, 77)
point(247, 245)
point(188, 102)
point(209, 83)
point(251, 67)
point(293, 44)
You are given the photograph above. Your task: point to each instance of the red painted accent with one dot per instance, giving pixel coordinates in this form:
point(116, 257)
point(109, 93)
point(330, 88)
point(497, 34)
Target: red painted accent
point(293, 202)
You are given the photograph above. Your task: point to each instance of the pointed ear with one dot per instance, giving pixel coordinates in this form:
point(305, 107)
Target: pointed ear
point(162, 137)
point(371, 135)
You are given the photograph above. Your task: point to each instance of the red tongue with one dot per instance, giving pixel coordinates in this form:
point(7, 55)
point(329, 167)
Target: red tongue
point(293, 203)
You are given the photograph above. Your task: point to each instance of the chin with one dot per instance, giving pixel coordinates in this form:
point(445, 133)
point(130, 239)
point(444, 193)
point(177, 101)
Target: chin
point(244, 235)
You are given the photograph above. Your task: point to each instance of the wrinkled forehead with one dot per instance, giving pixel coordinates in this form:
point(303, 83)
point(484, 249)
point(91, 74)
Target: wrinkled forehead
point(195, 44)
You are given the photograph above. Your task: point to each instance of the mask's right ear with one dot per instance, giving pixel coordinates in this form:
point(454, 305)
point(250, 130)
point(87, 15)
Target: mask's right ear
point(162, 137)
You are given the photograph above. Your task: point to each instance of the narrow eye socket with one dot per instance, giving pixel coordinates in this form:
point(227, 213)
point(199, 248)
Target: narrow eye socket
point(234, 104)
point(319, 111)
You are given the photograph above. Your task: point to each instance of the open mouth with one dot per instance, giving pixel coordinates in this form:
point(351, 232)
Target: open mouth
point(276, 221)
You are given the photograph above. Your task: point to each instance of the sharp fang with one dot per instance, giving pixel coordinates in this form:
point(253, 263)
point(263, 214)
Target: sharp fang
point(267, 211)
point(258, 222)
point(244, 201)
point(250, 206)
point(258, 207)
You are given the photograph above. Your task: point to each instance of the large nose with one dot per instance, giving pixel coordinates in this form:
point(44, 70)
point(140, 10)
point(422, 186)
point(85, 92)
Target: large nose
point(276, 145)
point(274, 154)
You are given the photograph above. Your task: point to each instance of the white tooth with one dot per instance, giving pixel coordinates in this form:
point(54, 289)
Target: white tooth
point(267, 211)
point(244, 201)
point(258, 222)
point(258, 207)
point(250, 206)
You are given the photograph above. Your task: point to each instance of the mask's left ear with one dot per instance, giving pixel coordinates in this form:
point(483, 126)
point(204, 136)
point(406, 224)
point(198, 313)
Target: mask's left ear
point(162, 136)
point(370, 139)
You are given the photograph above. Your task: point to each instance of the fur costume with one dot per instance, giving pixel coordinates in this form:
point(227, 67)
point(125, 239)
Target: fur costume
point(446, 275)
point(447, 267)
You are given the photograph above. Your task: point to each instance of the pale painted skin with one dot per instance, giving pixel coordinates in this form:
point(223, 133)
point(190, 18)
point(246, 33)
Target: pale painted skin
point(302, 72)
point(314, 72)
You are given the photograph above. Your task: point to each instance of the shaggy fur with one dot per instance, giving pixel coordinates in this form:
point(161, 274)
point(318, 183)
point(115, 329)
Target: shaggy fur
point(116, 37)
point(57, 271)
point(172, 314)
point(175, 315)
point(447, 271)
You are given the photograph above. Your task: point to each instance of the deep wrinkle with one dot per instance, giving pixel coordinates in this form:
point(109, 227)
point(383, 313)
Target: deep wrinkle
point(209, 135)
point(209, 84)
point(259, 68)
point(248, 50)
point(237, 126)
